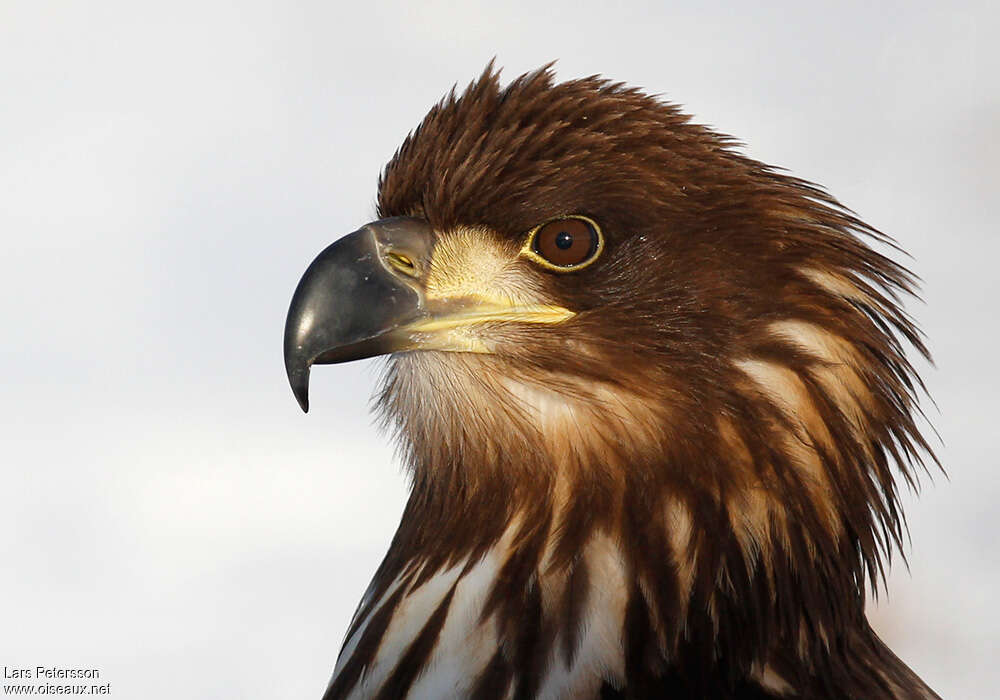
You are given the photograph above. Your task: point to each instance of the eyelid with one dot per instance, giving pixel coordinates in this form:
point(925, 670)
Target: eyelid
point(528, 249)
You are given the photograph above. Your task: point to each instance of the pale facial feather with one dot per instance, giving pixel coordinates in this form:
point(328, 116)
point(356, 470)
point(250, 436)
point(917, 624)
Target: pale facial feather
point(471, 263)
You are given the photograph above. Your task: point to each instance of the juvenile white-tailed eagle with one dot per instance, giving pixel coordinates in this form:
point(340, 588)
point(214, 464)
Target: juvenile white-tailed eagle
point(653, 398)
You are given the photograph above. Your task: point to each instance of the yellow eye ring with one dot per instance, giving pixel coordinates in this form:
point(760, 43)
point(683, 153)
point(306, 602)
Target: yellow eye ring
point(565, 243)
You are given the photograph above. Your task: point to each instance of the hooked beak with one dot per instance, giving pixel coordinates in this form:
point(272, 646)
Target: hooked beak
point(366, 295)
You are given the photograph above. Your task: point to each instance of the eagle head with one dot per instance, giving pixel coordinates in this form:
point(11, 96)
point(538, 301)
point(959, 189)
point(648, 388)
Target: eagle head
point(653, 396)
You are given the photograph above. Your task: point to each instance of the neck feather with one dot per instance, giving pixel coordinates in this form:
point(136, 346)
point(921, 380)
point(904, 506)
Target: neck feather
point(578, 534)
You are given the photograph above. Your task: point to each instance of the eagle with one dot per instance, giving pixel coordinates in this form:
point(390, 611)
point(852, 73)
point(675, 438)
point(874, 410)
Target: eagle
point(654, 401)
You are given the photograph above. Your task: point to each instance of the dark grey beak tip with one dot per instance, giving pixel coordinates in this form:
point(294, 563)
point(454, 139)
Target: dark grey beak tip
point(299, 379)
point(298, 362)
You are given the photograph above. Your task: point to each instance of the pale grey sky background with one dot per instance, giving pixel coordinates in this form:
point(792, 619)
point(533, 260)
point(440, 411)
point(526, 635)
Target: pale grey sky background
point(167, 170)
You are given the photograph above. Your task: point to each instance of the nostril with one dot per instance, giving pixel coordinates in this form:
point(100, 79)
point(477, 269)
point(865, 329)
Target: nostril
point(401, 262)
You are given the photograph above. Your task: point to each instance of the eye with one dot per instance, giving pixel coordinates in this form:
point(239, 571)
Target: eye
point(565, 245)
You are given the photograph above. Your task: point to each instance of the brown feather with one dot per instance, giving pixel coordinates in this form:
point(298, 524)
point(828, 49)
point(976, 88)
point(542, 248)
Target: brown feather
point(730, 407)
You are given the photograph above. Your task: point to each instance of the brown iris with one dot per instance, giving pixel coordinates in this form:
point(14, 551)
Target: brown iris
point(567, 243)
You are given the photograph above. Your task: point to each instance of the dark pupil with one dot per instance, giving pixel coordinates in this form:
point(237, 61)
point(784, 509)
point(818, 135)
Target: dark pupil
point(564, 240)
